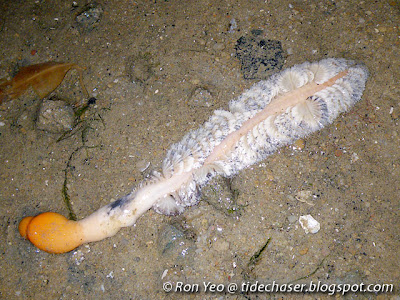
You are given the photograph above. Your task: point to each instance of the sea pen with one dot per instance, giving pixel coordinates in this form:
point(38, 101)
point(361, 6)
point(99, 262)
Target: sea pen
point(271, 114)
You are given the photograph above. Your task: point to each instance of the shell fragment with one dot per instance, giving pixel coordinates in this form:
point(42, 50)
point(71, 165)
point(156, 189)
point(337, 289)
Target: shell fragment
point(309, 224)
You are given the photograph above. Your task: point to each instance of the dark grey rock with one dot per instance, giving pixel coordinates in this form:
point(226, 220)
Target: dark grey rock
point(259, 57)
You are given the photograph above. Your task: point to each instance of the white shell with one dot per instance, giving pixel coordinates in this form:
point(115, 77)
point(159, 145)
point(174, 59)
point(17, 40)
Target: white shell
point(309, 224)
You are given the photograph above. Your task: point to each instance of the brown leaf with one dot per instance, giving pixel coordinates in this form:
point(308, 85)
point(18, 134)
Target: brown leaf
point(43, 78)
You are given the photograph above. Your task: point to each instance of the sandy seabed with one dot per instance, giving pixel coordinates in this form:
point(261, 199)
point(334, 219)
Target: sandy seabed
point(145, 61)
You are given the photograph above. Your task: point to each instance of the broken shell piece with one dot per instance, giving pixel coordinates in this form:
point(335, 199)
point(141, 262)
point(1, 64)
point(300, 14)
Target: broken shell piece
point(304, 196)
point(309, 224)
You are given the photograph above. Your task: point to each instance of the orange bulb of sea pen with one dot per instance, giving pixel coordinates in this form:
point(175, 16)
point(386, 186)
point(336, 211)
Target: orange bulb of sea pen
point(23, 226)
point(52, 232)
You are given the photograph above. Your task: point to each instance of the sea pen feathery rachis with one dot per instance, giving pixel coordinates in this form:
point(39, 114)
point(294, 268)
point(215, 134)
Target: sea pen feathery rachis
point(273, 113)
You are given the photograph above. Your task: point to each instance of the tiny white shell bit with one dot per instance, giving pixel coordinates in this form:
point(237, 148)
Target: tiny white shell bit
point(309, 224)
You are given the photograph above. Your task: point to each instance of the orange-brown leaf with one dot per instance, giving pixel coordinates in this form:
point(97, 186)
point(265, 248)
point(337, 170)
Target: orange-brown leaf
point(43, 78)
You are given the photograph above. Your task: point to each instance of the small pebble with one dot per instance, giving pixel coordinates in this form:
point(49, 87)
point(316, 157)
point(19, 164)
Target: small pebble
point(201, 97)
point(174, 246)
point(394, 113)
point(303, 251)
point(221, 246)
point(55, 116)
point(292, 219)
point(354, 157)
point(338, 153)
point(90, 16)
point(218, 46)
point(299, 144)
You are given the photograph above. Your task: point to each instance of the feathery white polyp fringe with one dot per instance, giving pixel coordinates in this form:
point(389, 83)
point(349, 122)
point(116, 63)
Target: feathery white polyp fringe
point(272, 113)
point(290, 119)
